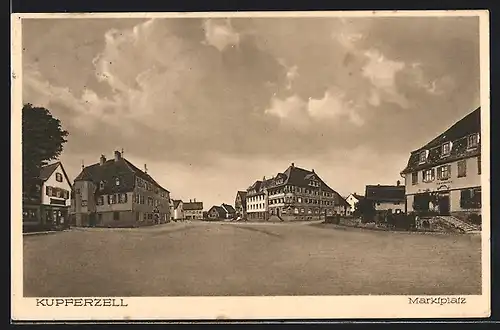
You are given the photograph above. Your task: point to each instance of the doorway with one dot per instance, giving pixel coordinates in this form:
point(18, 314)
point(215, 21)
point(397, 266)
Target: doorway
point(444, 204)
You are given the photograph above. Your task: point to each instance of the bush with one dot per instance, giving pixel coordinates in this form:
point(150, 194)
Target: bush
point(475, 219)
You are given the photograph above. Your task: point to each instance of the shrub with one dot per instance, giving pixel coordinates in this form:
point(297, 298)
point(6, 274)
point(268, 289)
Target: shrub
point(475, 219)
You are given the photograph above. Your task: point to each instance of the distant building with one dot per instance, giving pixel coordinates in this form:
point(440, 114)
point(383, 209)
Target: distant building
point(178, 209)
point(256, 200)
point(352, 200)
point(386, 197)
point(115, 193)
point(445, 174)
point(295, 194)
point(49, 201)
point(240, 204)
point(193, 210)
point(222, 212)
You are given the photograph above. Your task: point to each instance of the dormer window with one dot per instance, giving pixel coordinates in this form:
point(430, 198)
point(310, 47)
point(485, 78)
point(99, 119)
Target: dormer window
point(423, 156)
point(445, 149)
point(473, 141)
point(101, 185)
point(59, 177)
point(117, 182)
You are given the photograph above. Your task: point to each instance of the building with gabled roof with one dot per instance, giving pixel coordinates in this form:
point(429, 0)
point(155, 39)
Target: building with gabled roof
point(116, 193)
point(193, 210)
point(294, 194)
point(352, 200)
point(444, 175)
point(240, 204)
point(386, 197)
point(222, 212)
point(48, 204)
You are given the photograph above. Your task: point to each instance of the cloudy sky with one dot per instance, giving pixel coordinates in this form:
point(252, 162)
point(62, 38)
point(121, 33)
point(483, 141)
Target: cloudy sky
point(211, 105)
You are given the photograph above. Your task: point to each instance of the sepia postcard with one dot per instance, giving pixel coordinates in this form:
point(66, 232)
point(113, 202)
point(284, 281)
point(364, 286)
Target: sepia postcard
point(250, 165)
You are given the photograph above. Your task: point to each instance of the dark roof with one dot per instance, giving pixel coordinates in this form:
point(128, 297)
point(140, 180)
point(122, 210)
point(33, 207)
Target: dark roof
point(177, 202)
point(110, 170)
point(385, 193)
point(457, 134)
point(359, 197)
point(228, 208)
point(191, 206)
point(340, 200)
point(242, 194)
point(47, 170)
point(300, 177)
point(220, 211)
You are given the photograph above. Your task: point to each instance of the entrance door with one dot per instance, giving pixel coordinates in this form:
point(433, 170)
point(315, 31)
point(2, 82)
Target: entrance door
point(444, 205)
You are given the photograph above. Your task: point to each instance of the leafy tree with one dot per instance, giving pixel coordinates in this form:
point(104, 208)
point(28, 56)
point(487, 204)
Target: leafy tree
point(42, 141)
point(364, 209)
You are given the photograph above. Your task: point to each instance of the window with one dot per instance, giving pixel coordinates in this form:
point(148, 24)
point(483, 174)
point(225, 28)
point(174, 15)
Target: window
point(48, 191)
point(137, 198)
point(428, 175)
point(77, 190)
point(84, 203)
point(446, 149)
point(117, 181)
point(462, 169)
point(414, 178)
point(116, 216)
point(100, 200)
point(122, 198)
point(58, 193)
point(470, 198)
point(111, 199)
point(423, 156)
point(59, 177)
point(302, 210)
point(141, 199)
point(472, 141)
point(444, 172)
point(101, 185)
point(478, 164)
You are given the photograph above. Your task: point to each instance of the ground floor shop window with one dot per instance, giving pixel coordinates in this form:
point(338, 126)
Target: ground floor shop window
point(470, 198)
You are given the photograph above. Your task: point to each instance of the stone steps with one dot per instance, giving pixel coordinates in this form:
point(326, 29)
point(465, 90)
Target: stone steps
point(459, 224)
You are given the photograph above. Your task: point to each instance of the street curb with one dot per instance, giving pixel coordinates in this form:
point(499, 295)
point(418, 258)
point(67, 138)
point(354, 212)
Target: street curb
point(335, 226)
point(38, 233)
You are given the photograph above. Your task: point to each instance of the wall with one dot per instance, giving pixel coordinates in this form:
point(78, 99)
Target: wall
point(197, 214)
point(452, 185)
point(126, 219)
point(256, 203)
point(471, 180)
point(352, 202)
point(390, 206)
point(52, 182)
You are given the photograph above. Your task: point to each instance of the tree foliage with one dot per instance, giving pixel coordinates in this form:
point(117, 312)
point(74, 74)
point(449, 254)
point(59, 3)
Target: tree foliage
point(364, 209)
point(42, 140)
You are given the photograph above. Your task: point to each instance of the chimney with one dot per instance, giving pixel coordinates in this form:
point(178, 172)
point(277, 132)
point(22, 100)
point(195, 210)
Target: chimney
point(102, 160)
point(313, 170)
point(118, 155)
point(264, 178)
point(398, 183)
point(145, 168)
point(195, 200)
point(83, 165)
point(190, 201)
point(293, 164)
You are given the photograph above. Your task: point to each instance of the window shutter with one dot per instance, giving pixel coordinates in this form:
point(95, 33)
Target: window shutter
point(109, 199)
point(124, 198)
point(47, 191)
point(449, 171)
point(433, 174)
point(423, 176)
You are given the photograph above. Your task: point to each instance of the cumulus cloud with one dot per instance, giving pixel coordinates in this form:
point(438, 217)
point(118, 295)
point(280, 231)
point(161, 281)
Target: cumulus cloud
point(297, 88)
point(220, 34)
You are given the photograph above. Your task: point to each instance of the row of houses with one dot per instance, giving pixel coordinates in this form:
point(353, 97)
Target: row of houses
point(111, 192)
point(443, 176)
point(294, 194)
